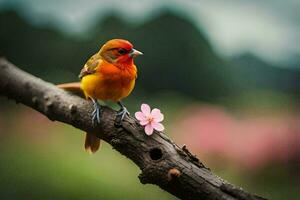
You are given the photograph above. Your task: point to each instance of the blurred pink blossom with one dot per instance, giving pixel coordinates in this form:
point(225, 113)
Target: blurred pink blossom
point(249, 142)
point(150, 119)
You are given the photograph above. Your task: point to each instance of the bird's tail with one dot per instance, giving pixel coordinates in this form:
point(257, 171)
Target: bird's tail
point(92, 143)
point(73, 87)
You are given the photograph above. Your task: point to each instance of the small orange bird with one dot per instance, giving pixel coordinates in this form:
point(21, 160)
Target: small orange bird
point(108, 75)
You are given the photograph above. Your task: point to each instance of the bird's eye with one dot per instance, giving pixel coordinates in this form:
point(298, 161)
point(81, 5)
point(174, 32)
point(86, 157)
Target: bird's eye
point(122, 51)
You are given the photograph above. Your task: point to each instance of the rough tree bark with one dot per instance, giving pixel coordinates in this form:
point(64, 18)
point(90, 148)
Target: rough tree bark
point(161, 161)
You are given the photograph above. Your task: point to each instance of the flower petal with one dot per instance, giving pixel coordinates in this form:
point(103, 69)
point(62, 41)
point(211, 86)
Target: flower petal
point(140, 116)
point(145, 109)
point(148, 129)
point(144, 122)
point(157, 115)
point(157, 126)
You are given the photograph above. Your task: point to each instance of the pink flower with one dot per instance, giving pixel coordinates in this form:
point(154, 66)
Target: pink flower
point(150, 119)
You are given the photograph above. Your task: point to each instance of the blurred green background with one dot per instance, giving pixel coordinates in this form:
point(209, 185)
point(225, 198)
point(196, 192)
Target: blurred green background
point(225, 73)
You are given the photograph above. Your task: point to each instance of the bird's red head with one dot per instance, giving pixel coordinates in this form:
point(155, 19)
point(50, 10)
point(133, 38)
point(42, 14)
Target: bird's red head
point(119, 52)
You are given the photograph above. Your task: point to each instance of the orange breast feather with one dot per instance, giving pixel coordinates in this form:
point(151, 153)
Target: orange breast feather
point(109, 82)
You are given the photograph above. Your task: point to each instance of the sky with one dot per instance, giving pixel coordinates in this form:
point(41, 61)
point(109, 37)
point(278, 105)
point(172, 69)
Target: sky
point(267, 28)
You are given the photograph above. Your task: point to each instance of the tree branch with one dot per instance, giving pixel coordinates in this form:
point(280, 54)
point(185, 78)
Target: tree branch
point(161, 161)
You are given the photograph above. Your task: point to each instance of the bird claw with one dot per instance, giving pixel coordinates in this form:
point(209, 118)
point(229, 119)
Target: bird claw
point(123, 111)
point(96, 113)
point(121, 115)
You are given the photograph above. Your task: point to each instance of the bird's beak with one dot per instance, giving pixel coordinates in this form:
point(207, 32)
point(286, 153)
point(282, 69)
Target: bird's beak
point(133, 53)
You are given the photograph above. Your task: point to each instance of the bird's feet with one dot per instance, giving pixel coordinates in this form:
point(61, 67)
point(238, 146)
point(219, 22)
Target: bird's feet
point(121, 114)
point(96, 113)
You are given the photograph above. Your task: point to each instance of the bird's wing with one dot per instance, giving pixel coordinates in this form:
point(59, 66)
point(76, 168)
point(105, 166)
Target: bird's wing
point(90, 66)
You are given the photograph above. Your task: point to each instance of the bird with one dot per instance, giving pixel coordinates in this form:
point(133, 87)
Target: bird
point(109, 74)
